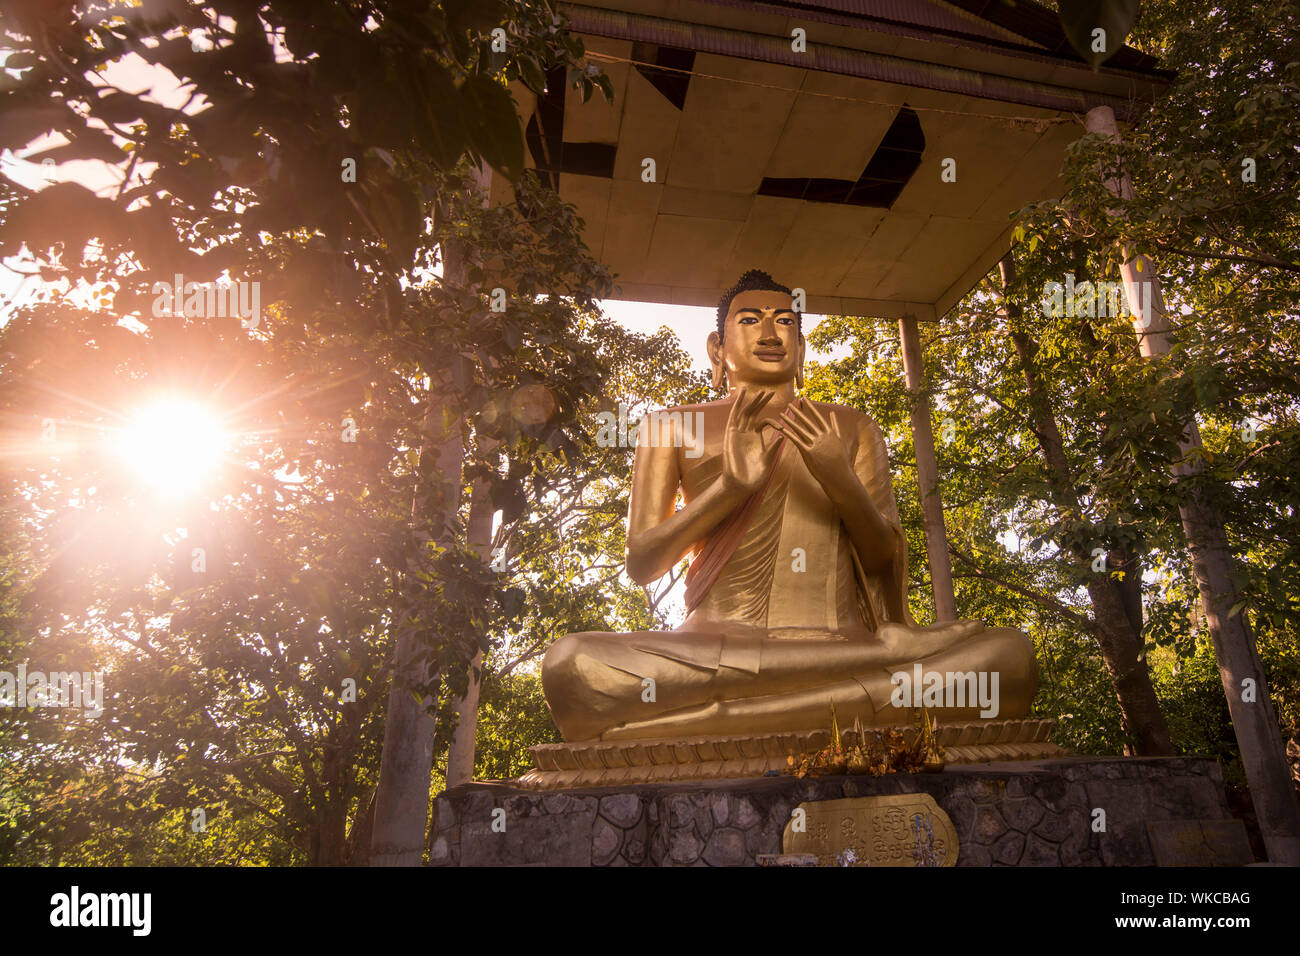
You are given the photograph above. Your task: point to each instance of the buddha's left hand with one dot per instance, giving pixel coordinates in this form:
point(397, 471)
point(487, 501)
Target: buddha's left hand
point(822, 449)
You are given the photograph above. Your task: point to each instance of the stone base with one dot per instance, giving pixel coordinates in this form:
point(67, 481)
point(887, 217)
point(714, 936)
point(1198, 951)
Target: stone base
point(1009, 814)
point(611, 763)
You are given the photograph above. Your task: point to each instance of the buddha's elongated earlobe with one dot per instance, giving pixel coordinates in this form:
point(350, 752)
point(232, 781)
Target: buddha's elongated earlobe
point(798, 376)
point(715, 359)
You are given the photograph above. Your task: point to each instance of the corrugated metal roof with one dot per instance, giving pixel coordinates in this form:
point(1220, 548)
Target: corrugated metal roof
point(1042, 26)
point(847, 62)
point(1022, 26)
point(920, 13)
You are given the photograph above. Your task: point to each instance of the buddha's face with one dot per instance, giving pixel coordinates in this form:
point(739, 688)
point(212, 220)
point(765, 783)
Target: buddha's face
point(762, 345)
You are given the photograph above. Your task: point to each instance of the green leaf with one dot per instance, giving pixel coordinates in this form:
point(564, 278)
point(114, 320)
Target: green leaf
point(532, 74)
point(510, 334)
point(493, 125)
point(435, 107)
point(21, 60)
point(1081, 18)
point(90, 144)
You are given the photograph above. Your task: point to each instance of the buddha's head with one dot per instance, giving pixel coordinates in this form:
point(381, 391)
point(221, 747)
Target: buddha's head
point(759, 341)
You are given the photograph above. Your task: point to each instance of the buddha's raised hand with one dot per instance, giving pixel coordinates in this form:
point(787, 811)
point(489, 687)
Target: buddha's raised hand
point(745, 457)
point(822, 449)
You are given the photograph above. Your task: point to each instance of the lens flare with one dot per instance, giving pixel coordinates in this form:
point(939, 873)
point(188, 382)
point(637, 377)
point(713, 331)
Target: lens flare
point(172, 445)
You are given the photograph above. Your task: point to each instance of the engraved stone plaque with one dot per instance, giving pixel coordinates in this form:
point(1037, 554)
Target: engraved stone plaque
point(906, 829)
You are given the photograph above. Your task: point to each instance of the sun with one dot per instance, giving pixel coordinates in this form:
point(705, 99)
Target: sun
point(172, 444)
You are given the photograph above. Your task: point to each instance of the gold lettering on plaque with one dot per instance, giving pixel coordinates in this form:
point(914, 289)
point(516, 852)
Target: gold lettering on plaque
point(905, 829)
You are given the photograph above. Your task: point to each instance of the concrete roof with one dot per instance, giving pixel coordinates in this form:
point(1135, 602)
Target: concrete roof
point(823, 167)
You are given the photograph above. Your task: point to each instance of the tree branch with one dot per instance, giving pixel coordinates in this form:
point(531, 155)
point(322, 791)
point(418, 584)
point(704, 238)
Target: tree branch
point(1038, 598)
point(1260, 259)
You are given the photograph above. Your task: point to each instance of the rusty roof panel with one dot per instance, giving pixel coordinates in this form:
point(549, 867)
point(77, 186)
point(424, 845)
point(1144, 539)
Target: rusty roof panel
point(847, 62)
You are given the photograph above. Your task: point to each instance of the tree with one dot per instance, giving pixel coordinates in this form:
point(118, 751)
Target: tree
point(305, 165)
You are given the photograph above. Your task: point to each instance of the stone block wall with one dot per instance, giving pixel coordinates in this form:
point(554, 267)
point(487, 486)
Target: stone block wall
point(1015, 814)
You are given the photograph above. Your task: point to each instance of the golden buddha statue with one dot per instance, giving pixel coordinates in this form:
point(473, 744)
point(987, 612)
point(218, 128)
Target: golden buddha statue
point(796, 594)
